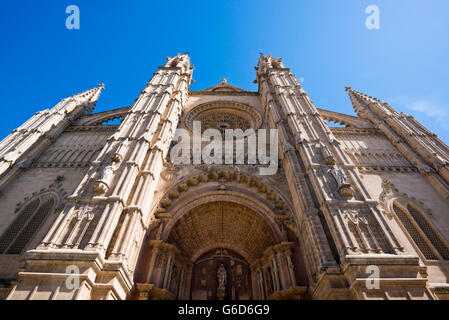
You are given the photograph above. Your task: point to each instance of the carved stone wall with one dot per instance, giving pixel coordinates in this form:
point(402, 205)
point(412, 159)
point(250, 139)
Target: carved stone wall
point(74, 149)
point(138, 226)
point(26, 187)
point(373, 152)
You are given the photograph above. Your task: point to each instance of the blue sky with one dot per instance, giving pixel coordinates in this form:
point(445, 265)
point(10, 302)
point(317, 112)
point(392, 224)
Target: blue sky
point(324, 42)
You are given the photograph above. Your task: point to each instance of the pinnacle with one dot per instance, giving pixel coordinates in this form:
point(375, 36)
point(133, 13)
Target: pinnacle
point(98, 87)
point(356, 97)
point(360, 96)
point(90, 95)
point(359, 99)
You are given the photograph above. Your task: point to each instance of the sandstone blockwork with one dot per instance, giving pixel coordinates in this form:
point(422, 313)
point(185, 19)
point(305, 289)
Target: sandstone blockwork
point(94, 207)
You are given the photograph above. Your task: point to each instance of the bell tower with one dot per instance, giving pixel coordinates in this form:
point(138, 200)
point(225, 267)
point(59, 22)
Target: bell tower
point(341, 226)
point(115, 194)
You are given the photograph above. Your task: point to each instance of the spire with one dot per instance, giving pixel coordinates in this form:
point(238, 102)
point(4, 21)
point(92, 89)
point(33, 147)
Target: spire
point(87, 99)
point(89, 96)
point(359, 97)
point(360, 100)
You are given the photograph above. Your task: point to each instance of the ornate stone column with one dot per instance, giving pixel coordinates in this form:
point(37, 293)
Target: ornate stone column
point(164, 257)
point(273, 269)
point(329, 197)
point(118, 189)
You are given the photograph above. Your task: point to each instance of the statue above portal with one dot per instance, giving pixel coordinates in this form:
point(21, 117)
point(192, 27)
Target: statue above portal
point(221, 274)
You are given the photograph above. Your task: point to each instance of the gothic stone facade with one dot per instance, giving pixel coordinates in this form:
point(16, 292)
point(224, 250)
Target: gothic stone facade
point(97, 211)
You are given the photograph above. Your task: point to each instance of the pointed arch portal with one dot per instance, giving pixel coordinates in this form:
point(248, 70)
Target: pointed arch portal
point(184, 262)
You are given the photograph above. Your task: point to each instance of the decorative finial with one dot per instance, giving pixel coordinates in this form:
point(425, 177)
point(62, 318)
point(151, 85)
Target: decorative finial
point(224, 80)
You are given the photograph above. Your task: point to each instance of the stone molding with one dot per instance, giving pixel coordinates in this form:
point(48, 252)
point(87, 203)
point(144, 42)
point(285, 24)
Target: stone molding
point(243, 110)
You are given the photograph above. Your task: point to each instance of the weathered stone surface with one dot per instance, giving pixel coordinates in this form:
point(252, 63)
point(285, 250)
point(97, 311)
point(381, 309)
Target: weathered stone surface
point(103, 204)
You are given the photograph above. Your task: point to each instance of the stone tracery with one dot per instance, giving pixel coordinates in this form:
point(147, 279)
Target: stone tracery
point(331, 218)
point(231, 114)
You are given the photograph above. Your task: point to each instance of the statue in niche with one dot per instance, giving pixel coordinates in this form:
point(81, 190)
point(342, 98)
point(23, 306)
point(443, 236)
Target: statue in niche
point(221, 274)
point(107, 173)
point(221, 290)
point(119, 153)
point(339, 176)
point(327, 154)
point(102, 185)
point(344, 188)
point(439, 161)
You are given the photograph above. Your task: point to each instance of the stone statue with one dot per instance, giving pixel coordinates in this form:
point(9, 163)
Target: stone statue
point(327, 155)
point(344, 187)
point(107, 173)
point(102, 185)
point(121, 150)
point(221, 274)
point(439, 161)
point(339, 176)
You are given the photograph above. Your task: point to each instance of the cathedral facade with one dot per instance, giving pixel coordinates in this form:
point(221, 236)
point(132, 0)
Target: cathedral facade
point(94, 210)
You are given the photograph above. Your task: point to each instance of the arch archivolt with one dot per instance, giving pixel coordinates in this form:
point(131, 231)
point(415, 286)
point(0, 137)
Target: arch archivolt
point(225, 180)
point(207, 195)
point(223, 185)
point(210, 211)
point(55, 190)
point(391, 196)
point(415, 220)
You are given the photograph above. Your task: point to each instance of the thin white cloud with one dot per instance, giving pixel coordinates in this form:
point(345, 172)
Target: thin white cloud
point(428, 107)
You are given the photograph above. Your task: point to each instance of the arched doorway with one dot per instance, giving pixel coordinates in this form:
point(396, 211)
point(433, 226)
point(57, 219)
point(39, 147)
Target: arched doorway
point(223, 233)
point(236, 277)
point(219, 250)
